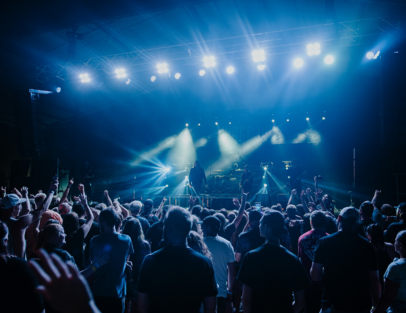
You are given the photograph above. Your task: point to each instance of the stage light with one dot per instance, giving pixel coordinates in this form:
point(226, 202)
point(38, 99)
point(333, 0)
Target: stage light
point(273, 121)
point(261, 67)
point(186, 177)
point(167, 169)
point(58, 89)
point(216, 123)
point(187, 125)
point(265, 168)
point(265, 185)
point(370, 55)
point(120, 73)
point(298, 62)
point(230, 70)
point(307, 119)
point(313, 49)
point(209, 61)
point(288, 177)
point(166, 186)
point(84, 78)
point(153, 78)
point(258, 55)
point(329, 59)
point(287, 120)
point(376, 55)
point(198, 124)
point(229, 123)
point(177, 75)
point(323, 118)
point(263, 176)
point(202, 72)
point(162, 68)
point(128, 81)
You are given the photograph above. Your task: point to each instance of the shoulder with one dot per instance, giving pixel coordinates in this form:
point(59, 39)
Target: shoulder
point(305, 235)
point(145, 244)
point(123, 237)
point(396, 266)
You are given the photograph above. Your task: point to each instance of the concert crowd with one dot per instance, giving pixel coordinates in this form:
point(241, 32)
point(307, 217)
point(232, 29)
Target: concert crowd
point(58, 255)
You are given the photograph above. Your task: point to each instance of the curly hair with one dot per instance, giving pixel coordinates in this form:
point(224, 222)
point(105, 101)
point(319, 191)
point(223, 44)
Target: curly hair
point(195, 241)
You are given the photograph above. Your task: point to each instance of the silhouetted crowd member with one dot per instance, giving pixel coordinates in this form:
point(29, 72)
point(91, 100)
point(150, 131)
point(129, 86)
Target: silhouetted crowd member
point(294, 231)
point(176, 278)
point(147, 212)
point(366, 210)
point(135, 209)
point(395, 228)
point(155, 232)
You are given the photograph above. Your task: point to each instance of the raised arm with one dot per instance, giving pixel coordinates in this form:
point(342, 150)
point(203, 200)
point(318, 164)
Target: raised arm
point(292, 194)
point(26, 206)
point(108, 200)
point(305, 207)
point(318, 194)
point(89, 215)
point(240, 214)
point(161, 205)
point(66, 192)
point(375, 198)
point(192, 202)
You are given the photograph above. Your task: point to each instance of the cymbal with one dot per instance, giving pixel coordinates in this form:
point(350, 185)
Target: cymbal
point(239, 170)
point(218, 171)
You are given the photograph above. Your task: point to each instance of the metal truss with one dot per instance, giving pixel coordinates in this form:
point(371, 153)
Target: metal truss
point(341, 34)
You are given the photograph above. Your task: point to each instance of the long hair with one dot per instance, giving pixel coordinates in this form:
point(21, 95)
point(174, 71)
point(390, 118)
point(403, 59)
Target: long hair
point(3, 245)
point(44, 235)
point(133, 228)
point(70, 223)
point(195, 241)
point(375, 232)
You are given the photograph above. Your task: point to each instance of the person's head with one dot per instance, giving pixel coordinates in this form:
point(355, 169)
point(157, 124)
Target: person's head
point(3, 241)
point(197, 163)
point(177, 225)
point(148, 206)
point(204, 213)
point(348, 218)
point(400, 243)
point(222, 220)
point(271, 225)
point(231, 217)
point(133, 228)
point(300, 210)
point(318, 220)
point(70, 223)
point(211, 226)
point(78, 209)
point(100, 206)
point(135, 207)
point(196, 210)
point(196, 242)
point(165, 209)
point(254, 217)
point(291, 211)
point(64, 208)
point(212, 212)
point(365, 210)
point(11, 205)
point(326, 199)
point(374, 233)
point(402, 211)
point(275, 208)
point(388, 210)
point(224, 212)
point(108, 219)
point(40, 197)
point(52, 234)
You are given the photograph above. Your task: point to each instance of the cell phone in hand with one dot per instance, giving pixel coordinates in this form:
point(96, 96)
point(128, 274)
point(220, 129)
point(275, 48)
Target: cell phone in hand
point(258, 206)
point(54, 178)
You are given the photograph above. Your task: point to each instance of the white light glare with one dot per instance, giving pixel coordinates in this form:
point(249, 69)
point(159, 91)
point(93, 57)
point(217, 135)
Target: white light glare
point(128, 81)
point(216, 123)
point(58, 89)
point(313, 49)
point(329, 59)
point(186, 177)
point(377, 55)
point(202, 72)
point(265, 168)
point(120, 73)
point(258, 55)
point(153, 78)
point(261, 67)
point(84, 78)
point(273, 121)
point(230, 70)
point(265, 185)
point(370, 55)
point(298, 62)
point(307, 119)
point(187, 125)
point(287, 120)
point(209, 61)
point(167, 169)
point(166, 186)
point(323, 118)
point(177, 75)
point(162, 68)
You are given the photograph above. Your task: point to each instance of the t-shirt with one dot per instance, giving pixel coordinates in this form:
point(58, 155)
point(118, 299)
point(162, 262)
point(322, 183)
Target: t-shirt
point(17, 288)
point(294, 233)
point(110, 279)
point(228, 232)
point(393, 230)
point(74, 245)
point(64, 255)
point(154, 235)
point(347, 259)
point(144, 224)
point(330, 228)
point(151, 218)
point(361, 227)
point(176, 279)
point(306, 245)
point(222, 253)
point(94, 231)
point(379, 218)
point(273, 273)
point(141, 250)
point(248, 241)
point(396, 272)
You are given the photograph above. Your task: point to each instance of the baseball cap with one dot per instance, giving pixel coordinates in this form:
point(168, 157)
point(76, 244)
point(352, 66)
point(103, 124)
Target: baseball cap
point(349, 212)
point(11, 200)
point(254, 216)
point(212, 222)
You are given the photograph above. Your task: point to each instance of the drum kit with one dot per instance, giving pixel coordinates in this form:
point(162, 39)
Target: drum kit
point(222, 183)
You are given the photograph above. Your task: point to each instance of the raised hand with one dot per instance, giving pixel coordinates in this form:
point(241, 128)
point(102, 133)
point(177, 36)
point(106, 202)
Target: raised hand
point(81, 188)
point(236, 202)
point(378, 193)
point(192, 201)
point(3, 191)
point(315, 179)
point(302, 194)
point(106, 193)
point(294, 192)
point(54, 185)
point(318, 193)
point(61, 282)
point(244, 196)
point(164, 200)
point(71, 182)
point(82, 199)
point(308, 191)
point(15, 191)
point(24, 192)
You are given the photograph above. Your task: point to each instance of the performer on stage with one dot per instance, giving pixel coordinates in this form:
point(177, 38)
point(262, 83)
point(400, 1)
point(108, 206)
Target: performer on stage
point(196, 177)
point(246, 180)
point(294, 175)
